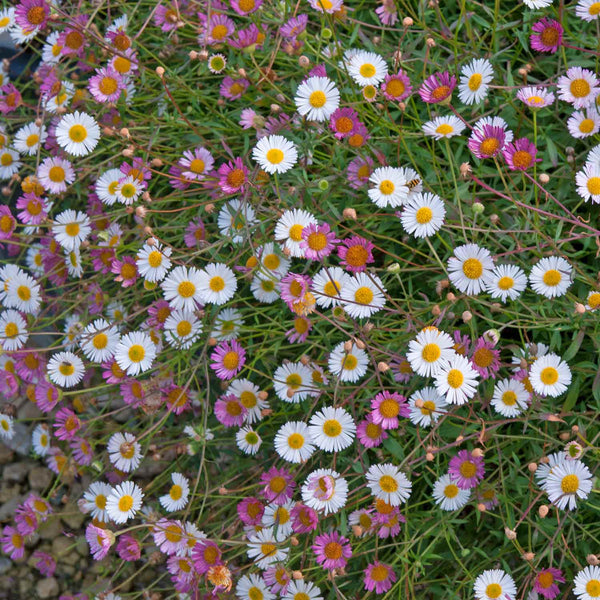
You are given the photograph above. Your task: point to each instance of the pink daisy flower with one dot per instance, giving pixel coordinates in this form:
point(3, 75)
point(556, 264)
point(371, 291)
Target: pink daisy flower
point(245, 7)
point(386, 407)
point(67, 424)
point(40, 506)
point(82, 451)
point(387, 12)
point(355, 253)
point(332, 550)
point(293, 288)
point(206, 554)
point(462, 343)
point(33, 209)
point(437, 87)
point(487, 141)
point(139, 170)
point(389, 523)
point(56, 174)
point(546, 35)
point(230, 411)
point(370, 434)
point(128, 548)
point(12, 543)
point(46, 396)
point(304, 518)
point(360, 136)
point(359, 171)
point(100, 540)
point(278, 579)
point(107, 85)
point(103, 259)
point(177, 398)
point(379, 577)
point(228, 358)
point(249, 37)
point(32, 15)
point(401, 369)
point(183, 572)
point(72, 38)
point(126, 270)
point(251, 510)
point(520, 155)
point(30, 366)
point(545, 582)
point(112, 372)
point(195, 233)
point(167, 17)
point(215, 29)
point(196, 163)
point(318, 241)
point(233, 176)
point(25, 520)
point(343, 122)
point(298, 334)
point(485, 358)
point(132, 392)
point(10, 99)
point(7, 223)
point(278, 485)
point(169, 536)
point(96, 299)
point(293, 27)
point(397, 87)
point(466, 470)
point(232, 89)
point(44, 563)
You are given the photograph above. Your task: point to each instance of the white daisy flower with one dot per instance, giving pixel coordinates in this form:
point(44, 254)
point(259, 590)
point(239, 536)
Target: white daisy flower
point(332, 429)
point(74, 264)
point(65, 369)
point(124, 452)
point(289, 227)
point(7, 18)
point(545, 468)
point(248, 394)
point(23, 293)
point(128, 190)
point(328, 284)
point(510, 398)
point(253, 587)
point(29, 139)
point(474, 81)
point(153, 261)
point(579, 87)
point(448, 496)
point(317, 98)
point(301, 589)
point(324, 490)
point(443, 127)
point(236, 220)
point(457, 380)
point(495, 584)
point(551, 276)
point(588, 10)
point(278, 518)
point(70, 228)
point(292, 382)
point(506, 282)
point(367, 68)
point(593, 157)
point(582, 124)
point(94, 500)
point(587, 583)
point(264, 288)
point(348, 365)
point(216, 284)
point(248, 440)
point(568, 482)
point(52, 50)
point(293, 442)
point(592, 301)
point(550, 375)
point(181, 288)
point(9, 163)
point(77, 133)
point(264, 550)
point(227, 325)
point(33, 259)
point(272, 260)
point(431, 404)
point(40, 439)
point(135, 352)
point(7, 428)
point(363, 295)
point(390, 187)
point(123, 502)
point(275, 154)
point(99, 341)
point(389, 484)
point(107, 184)
point(423, 215)
point(326, 6)
point(182, 328)
point(13, 330)
point(588, 182)
point(177, 497)
point(430, 351)
point(470, 268)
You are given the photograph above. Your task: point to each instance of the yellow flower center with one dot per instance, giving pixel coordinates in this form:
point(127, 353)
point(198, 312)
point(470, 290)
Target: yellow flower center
point(184, 328)
point(100, 341)
point(455, 378)
point(176, 492)
point(275, 156)
point(493, 590)
point(386, 187)
point(125, 503)
point(552, 277)
point(424, 215)
point(586, 126)
point(389, 408)
point(444, 129)
point(136, 353)
point(388, 484)
point(78, 133)
point(108, 86)
point(317, 241)
point(569, 484)
point(428, 408)
point(363, 295)
point(509, 398)
point(489, 146)
point(317, 99)
point(592, 587)
point(367, 70)
point(593, 186)
point(451, 491)
point(296, 441)
point(332, 428)
point(350, 362)
point(475, 82)
point(549, 376)
point(506, 283)
point(431, 352)
point(186, 289)
point(66, 369)
point(231, 360)
point(472, 268)
point(395, 88)
point(580, 88)
point(468, 469)
point(483, 357)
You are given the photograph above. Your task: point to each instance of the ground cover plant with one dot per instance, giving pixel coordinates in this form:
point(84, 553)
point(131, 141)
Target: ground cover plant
point(300, 299)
